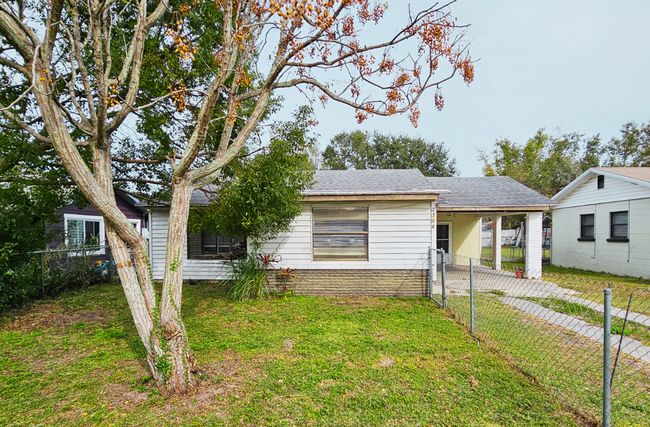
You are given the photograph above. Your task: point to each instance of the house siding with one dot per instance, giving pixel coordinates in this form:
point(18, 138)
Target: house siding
point(399, 237)
point(465, 235)
point(129, 211)
point(615, 190)
point(623, 258)
point(193, 269)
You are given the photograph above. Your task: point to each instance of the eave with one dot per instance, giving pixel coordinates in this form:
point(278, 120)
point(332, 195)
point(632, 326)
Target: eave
point(368, 197)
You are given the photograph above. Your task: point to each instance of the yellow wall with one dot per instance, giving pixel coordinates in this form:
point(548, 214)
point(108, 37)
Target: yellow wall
point(465, 233)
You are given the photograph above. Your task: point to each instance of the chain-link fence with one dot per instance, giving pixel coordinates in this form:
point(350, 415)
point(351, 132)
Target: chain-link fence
point(48, 273)
point(554, 329)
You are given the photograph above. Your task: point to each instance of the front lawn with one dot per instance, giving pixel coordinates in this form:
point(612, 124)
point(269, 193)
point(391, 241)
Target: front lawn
point(77, 360)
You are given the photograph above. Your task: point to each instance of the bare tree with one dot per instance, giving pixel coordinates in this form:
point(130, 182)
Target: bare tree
point(74, 73)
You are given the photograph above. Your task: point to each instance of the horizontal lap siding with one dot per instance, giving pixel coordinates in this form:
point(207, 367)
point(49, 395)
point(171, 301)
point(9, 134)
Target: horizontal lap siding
point(192, 268)
point(615, 190)
point(399, 236)
point(601, 255)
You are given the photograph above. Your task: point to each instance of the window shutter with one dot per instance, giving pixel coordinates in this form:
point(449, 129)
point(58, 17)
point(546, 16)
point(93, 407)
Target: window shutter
point(194, 243)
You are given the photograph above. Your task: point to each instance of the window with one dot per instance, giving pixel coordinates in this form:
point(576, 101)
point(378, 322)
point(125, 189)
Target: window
point(442, 237)
point(82, 231)
point(221, 244)
point(587, 228)
point(601, 181)
point(618, 225)
point(340, 234)
point(210, 246)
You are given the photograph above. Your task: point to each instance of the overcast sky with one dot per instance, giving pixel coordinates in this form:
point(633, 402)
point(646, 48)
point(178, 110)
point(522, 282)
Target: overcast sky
point(577, 65)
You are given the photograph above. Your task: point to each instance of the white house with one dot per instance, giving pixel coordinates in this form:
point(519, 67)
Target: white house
point(368, 232)
point(601, 222)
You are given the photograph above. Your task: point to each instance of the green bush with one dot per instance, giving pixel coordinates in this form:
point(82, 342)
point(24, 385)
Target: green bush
point(21, 284)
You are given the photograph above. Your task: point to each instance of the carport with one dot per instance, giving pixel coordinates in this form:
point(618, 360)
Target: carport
point(460, 214)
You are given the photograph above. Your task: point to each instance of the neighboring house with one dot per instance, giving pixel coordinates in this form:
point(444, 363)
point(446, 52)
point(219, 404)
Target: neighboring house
point(368, 232)
point(601, 222)
point(85, 227)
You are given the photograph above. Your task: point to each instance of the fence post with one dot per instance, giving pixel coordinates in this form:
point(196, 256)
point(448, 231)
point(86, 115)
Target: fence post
point(471, 294)
point(42, 276)
point(443, 277)
point(431, 273)
point(607, 332)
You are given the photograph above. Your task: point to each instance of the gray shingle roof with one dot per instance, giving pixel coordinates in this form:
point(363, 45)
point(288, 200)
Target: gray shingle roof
point(456, 192)
point(370, 181)
point(200, 197)
point(487, 192)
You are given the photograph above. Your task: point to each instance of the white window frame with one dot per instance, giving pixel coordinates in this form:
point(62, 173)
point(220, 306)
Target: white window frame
point(137, 223)
point(102, 231)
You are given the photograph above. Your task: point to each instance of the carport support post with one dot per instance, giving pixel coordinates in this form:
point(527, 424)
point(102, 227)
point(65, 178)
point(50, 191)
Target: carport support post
point(471, 294)
point(496, 242)
point(534, 245)
point(607, 348)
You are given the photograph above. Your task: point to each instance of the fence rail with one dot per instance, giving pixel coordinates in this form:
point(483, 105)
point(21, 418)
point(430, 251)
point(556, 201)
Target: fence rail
point(557, 330)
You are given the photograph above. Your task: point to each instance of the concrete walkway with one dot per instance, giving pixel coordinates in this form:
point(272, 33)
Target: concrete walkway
point(487, 279)
point(629, 346)
point(616, 312)
point(511, 290)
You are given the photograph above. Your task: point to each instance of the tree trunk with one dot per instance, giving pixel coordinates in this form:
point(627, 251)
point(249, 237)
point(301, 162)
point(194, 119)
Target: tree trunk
point(137, 280)
point(180, 362)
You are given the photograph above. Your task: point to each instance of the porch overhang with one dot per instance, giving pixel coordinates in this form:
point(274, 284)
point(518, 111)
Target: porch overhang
point(496, 210)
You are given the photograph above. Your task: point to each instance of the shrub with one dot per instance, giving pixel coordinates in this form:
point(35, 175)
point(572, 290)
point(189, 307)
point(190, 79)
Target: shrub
point(249, 277)
point(21, 284)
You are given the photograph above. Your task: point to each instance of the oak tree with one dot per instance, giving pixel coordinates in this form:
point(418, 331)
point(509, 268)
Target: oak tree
point(545, 163)
point(177, 87)
point(363, 150)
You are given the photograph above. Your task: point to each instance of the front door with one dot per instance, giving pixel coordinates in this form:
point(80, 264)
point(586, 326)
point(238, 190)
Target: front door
point(443, 240)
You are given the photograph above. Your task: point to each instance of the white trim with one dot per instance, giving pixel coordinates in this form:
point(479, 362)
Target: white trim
point(137, 223)
point(102, 231)
point(434, 223)
point(587, 175)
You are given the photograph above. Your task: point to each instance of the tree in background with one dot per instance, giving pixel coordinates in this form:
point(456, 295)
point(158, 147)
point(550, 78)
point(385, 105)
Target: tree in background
point(632, 148)
point(165, 94)
point(260, 193)
point(544, 163)
point(363, 150)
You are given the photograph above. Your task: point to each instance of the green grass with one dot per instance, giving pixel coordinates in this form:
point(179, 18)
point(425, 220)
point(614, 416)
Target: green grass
point(633, 330)
point(77, 360)
point(590, 285)
point(507, 252)
point(559, 359)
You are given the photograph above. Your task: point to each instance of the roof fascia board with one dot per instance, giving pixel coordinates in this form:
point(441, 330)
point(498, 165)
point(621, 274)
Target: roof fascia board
point(575, 183)
point(363, 197)
point(623, 178)
point(592, 171)
point(492, 210)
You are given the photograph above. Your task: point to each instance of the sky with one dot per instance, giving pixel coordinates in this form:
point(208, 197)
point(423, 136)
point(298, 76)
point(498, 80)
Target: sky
point(566, 66)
